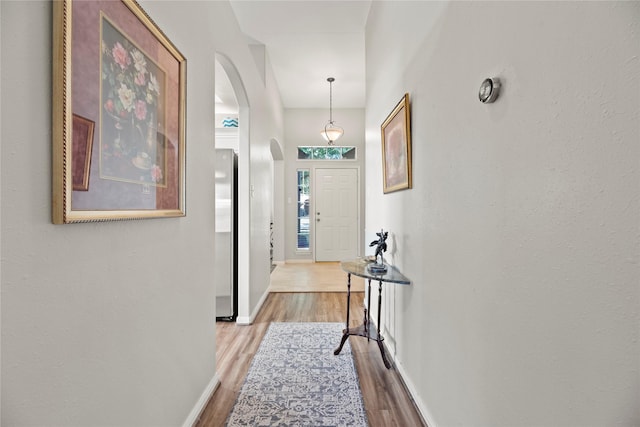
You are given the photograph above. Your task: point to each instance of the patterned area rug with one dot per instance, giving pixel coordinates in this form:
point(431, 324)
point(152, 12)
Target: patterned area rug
point(295, 380)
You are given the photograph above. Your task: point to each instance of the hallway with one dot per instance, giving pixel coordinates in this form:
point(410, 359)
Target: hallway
point(386, 401)
point(312, 277)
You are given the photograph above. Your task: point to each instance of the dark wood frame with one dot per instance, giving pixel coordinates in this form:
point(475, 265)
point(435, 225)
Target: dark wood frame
point(82, 150)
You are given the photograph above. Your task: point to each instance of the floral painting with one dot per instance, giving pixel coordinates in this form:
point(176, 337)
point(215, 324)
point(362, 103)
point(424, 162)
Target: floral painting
point(132, 146)
point(115, 72)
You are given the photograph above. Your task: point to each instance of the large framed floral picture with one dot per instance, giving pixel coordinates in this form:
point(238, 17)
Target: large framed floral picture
point(114, 69)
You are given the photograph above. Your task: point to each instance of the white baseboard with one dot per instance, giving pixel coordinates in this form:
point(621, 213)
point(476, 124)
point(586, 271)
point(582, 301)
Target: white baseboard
point(424, 413)
point(411, 389)
point(244, 320)
point(195, 413)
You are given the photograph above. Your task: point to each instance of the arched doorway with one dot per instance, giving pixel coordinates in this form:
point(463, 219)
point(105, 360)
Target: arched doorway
point(243, 184)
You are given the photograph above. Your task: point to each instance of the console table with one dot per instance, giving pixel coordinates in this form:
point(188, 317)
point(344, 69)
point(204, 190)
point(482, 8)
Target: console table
point(359, 268)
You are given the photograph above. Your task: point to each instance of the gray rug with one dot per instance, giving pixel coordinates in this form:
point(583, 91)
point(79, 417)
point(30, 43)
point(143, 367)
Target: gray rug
point(295, 380)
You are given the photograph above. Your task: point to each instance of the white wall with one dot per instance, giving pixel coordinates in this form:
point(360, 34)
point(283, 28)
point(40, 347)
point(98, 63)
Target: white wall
point(522, 232)
point(113, 323)
point(227, 138)
point(267, 123)
point(278, 208)
point(302, 128)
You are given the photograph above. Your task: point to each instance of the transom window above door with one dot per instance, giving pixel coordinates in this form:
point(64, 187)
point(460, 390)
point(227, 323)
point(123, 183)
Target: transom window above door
point(326, 153)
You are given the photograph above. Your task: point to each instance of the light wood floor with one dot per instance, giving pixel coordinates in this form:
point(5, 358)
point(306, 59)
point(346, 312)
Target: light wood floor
point(385, 398)
point(312, 277)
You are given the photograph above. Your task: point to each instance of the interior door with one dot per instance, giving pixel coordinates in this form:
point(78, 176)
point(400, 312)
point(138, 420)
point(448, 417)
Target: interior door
point(336, 214)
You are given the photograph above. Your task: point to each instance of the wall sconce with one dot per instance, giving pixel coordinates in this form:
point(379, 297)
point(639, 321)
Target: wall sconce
point(489, 90)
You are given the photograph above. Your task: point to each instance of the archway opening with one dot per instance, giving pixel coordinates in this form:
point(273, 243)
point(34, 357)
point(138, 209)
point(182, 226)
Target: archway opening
point(236, 136)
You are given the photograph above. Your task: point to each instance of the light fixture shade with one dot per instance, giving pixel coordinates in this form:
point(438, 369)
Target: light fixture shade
point(331, 132)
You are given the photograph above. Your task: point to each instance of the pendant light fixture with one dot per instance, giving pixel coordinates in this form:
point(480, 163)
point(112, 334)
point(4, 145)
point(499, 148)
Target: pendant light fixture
point(331, 132)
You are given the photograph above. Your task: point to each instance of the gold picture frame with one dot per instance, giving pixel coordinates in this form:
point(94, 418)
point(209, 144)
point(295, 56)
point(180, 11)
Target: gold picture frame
point(396, 148)
point(114, 70)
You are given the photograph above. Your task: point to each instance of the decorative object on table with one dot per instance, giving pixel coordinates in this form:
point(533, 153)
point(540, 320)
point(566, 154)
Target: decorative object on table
point(230, 122)
point(295, 380)
point(114, 67)
point(381, 246)
point(489, 90)
point(396, 148)
point(331, 131)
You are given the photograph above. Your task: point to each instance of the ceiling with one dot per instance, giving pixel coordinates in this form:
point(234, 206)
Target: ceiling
point(308, 41)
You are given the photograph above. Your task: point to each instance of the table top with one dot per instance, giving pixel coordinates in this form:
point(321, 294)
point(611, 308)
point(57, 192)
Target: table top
point(359, 268)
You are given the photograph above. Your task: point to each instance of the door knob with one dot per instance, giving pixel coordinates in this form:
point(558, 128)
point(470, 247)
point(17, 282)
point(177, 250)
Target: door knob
point(318, 220)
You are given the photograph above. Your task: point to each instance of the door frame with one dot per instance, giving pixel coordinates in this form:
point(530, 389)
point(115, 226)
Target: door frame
point(312, 198)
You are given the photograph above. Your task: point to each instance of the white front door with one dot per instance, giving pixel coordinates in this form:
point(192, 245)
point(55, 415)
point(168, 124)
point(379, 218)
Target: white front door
point(336, 214)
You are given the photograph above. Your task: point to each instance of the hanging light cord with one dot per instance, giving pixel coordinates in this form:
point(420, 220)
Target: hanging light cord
point(331, 79)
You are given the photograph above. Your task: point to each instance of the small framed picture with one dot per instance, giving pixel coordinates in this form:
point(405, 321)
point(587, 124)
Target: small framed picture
point(82, 148)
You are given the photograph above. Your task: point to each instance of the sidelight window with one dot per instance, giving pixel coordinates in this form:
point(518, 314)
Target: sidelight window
point(303, 210)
